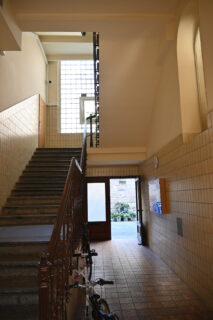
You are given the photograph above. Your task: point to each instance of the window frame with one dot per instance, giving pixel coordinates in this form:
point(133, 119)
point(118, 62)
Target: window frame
point(78, 128)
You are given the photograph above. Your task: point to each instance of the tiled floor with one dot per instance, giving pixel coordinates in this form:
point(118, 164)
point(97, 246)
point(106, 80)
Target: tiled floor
point(145, 287)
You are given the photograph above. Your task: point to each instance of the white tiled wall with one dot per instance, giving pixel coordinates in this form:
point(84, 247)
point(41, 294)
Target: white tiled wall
point(54, 139)
point(188, 169)
point(18, 140)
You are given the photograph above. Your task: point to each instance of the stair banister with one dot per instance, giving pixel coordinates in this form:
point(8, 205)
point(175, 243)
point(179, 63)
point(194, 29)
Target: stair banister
point(56, 264)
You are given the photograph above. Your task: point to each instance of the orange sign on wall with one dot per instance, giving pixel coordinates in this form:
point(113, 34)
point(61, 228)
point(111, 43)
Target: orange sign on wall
point(157, 196)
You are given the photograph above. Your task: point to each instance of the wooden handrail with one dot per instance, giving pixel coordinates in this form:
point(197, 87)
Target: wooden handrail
point(55, 265)
point(63, 207)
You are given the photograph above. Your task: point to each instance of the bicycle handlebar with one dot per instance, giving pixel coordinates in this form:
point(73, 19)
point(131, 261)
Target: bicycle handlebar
point(93, 252)
point(102, 282)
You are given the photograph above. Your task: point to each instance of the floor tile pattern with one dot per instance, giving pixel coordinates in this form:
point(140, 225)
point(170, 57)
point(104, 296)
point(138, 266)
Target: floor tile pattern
point(144, 286)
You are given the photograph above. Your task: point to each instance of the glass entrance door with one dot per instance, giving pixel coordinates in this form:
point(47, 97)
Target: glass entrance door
point(98, 208)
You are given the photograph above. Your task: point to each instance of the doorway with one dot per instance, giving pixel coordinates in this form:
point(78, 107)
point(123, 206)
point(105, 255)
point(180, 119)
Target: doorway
point(114, 208)
point(123, 208)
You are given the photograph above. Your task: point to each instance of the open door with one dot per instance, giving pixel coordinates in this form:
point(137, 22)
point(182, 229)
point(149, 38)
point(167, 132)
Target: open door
point(98, 209)
point(140, 228)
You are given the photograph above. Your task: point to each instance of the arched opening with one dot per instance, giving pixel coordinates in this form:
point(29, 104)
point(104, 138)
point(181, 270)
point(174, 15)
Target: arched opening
point(200, 80)
point(190, 70)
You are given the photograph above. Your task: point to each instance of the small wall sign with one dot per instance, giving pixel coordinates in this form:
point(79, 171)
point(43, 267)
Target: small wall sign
point(157, 196)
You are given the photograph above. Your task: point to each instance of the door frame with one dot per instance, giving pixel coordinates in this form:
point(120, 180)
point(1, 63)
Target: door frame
point(93, 226)
point(99, 230)
point(139, 209)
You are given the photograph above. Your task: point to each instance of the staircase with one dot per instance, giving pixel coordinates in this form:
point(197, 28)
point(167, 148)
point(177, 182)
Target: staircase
point(26, 224)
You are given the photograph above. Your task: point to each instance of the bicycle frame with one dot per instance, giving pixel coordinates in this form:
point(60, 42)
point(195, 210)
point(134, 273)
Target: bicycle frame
point(91, 295)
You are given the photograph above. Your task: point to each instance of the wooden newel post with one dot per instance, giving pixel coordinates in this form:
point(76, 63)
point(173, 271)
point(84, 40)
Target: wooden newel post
point(44, 280)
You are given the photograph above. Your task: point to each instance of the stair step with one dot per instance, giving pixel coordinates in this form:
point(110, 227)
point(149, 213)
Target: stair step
point(30, 209)
point(18, 273)
point(38, 192)
point(49, 161)
point(58, 150)
point(19, 312)
point(45, 171)
point(39, 186)
point(42, 179)
point(18, 243)
point(33, 200)
point(61, 174)
point(20, 251)
point(56, 156)
point(43, 184)
point(18, 296)
point(27, 219)
point(52, 177)
point(49, 165)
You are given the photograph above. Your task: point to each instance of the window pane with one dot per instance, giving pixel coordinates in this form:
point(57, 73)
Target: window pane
point(96, 202)
point(89, 107)
point(77, 79)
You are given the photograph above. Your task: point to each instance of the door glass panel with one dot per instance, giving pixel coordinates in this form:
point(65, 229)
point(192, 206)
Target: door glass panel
point(96, 202)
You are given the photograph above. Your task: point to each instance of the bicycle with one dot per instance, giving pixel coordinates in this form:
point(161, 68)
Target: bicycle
point(86, 249)
point(100, 308)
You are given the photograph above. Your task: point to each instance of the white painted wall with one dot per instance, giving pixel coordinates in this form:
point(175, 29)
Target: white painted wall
point(53, 86)
point(23, 73)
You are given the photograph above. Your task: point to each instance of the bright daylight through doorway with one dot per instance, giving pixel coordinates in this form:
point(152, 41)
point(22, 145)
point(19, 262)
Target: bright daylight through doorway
point(123, 208)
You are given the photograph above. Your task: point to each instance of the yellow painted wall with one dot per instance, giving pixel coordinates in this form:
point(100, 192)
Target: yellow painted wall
point(113, 171)
point(10, 35)
point(166, 118)
point(53, 85)
point(23, 73)
point(206, 26)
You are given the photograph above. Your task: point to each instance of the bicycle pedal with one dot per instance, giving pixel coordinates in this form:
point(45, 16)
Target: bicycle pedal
point(93, 252)
point(76, 254)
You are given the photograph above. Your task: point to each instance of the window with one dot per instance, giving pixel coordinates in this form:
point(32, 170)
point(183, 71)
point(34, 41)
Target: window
point(76, 93)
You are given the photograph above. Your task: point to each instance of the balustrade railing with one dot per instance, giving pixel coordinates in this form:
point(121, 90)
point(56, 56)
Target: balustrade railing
point(56, 264)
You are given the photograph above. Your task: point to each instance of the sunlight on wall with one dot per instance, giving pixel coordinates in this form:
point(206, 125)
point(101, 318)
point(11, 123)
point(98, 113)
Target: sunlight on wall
point(189, 86)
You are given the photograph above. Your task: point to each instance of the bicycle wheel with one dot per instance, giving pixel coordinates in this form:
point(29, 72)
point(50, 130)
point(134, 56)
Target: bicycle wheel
point(100, 309)
point(86, 249)
point(89, 271)
point(104, 307)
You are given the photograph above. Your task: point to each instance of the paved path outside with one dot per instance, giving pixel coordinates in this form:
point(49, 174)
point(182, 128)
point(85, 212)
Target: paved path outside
point(124, 230)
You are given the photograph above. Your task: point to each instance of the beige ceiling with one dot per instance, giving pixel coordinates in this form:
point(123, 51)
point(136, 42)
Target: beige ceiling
point(135, 36)
point(71, 34)
point(66, 44)
point(55, 48)
point(97, 6)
